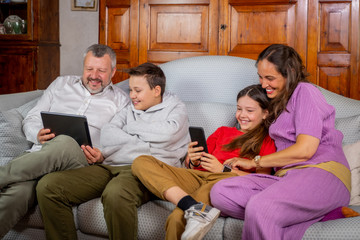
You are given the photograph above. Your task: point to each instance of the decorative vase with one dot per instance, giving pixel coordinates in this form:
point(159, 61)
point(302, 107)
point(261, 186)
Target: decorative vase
point(23, 26)
point(13, 24)
point(8, 27)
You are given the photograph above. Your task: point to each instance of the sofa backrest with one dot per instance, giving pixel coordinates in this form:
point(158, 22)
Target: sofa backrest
point(208, 78)
point(14, 100)
point(209, 86)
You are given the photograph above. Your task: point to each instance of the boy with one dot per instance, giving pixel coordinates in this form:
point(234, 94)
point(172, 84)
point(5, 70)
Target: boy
point(156, 124)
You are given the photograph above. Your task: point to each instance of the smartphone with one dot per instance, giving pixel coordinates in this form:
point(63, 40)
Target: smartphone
point(198, 134)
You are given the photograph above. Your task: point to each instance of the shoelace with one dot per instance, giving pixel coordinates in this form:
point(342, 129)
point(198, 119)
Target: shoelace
point(201, 216)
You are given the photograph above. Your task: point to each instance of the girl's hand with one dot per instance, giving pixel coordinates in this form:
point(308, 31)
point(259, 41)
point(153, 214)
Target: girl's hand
point(194, 154)
point(93, 155)
point(211, 163)
point(241, 164)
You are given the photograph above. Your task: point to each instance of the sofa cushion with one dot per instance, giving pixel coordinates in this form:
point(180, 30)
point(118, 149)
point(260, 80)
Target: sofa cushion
point(12, 139)
point(352, 153)
point(211, 115)
point(350, 127)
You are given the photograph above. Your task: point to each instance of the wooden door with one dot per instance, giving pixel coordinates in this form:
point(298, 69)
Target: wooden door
point(247, 27)
point(119, 27)
point(171, 30)
point(333, 46)
point(17, 70)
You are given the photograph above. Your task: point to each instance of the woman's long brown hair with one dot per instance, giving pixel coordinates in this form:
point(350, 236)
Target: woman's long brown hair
point(289, 64)
point(250, 142)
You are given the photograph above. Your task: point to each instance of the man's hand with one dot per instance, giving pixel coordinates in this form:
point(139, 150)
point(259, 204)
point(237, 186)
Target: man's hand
point(93, 155)
point(44, 135)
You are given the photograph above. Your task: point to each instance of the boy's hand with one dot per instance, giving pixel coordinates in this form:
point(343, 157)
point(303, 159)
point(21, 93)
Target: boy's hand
point(211, 163)
point(93, 155)
point(44, 135)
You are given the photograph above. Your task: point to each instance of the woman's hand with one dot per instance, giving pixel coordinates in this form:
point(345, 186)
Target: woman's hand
point(93, 155)
point(211, 163)
point(44, 135)
point(194, 154)
point(241, 164)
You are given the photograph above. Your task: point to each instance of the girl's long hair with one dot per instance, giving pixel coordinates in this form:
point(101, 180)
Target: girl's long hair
point(250, 142)
point(289, 64)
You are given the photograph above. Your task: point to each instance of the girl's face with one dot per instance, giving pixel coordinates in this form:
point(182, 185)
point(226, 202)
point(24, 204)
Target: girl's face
point(249, 114)
point(270, 78)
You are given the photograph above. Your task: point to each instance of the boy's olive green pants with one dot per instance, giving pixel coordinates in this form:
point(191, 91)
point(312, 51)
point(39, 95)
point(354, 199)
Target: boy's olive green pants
point(121, 194)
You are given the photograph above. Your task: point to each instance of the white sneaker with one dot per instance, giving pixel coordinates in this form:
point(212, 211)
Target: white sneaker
point(199, 220)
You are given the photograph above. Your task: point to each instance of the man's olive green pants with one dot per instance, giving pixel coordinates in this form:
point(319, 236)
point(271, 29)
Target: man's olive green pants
point(19, 177)
point(121, 194)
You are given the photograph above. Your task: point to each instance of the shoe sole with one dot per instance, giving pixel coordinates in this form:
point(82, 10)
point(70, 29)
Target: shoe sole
point(201, 234)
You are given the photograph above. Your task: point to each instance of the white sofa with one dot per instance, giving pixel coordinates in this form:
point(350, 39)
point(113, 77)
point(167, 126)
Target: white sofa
point(208, 85)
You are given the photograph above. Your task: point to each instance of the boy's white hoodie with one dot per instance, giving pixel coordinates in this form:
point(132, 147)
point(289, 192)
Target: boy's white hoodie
point(161, 131)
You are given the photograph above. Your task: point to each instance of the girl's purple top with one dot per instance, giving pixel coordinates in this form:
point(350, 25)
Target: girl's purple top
point(309, 113)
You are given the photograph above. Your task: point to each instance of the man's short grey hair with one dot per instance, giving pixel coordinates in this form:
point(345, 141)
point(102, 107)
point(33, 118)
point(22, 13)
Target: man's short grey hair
point(99, 50)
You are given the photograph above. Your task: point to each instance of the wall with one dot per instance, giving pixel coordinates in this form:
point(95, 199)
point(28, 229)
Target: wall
point(78, 30)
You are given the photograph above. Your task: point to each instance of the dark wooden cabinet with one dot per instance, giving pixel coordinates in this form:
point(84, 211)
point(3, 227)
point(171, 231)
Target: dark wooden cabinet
point(30, 60)
point(324, 32)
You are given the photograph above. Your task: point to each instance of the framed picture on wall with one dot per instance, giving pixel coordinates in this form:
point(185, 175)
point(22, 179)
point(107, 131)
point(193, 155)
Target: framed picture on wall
point(84, 5)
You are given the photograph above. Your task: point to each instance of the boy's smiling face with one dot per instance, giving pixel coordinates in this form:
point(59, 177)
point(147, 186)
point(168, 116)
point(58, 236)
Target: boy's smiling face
point(141, 95)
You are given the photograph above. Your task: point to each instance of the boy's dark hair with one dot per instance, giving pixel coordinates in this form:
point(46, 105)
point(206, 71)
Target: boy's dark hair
point(153, 74)
point(250, 142)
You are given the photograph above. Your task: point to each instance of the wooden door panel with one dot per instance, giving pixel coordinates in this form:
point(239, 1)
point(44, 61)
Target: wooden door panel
point(254, 26)
point(179, 28)
point(335, 79)
point(335, 26)
point(19, 65)
point(171, 30)
point(332, 64)
point(119, 30)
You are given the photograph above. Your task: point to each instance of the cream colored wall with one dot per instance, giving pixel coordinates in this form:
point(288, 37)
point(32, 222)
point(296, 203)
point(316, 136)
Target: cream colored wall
point(78, 30)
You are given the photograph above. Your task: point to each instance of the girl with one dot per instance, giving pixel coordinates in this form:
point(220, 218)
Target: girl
point(312, 175)
point(188, 188)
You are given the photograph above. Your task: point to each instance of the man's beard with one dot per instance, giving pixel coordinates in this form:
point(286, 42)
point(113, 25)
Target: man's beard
point(94, 91)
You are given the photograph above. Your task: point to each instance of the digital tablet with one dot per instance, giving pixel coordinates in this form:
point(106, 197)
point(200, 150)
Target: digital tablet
point(198, 134)
point(75, 126)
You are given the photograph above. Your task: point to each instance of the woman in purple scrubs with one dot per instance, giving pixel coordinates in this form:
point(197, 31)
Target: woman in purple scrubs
point(312, 174)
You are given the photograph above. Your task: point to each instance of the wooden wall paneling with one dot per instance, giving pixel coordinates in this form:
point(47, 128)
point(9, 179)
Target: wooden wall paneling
point(312, 41)
point(119, 24)
point(171, 30)
point(12, 63)
point(355, 50)
point(252, 26)
point(31, 60)
point(48, 61)
point(336, 47)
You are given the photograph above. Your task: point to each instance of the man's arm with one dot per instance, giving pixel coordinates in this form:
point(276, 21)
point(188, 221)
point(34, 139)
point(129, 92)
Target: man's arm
point(32, 124)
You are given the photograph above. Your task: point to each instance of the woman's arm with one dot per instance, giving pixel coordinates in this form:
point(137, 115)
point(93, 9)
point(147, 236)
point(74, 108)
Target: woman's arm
point(303, 149)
